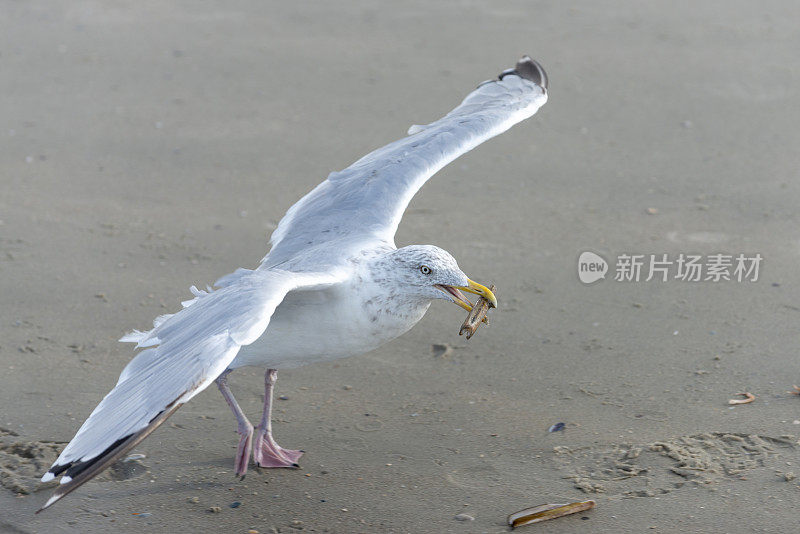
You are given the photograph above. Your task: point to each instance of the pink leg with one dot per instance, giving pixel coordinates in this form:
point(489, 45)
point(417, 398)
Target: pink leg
point(245, 429)
point(266, 452)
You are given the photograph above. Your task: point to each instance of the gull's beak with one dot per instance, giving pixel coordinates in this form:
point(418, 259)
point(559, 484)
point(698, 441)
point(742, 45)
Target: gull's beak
point(477, 289)
point(474, 288)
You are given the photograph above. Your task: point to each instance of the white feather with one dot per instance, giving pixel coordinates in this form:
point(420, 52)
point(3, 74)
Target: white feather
point(369, 197)
point(232, 277)
point(194, 346)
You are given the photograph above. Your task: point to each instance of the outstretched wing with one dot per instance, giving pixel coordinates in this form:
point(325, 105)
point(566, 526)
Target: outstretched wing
point(187, 351)
point(368, 198)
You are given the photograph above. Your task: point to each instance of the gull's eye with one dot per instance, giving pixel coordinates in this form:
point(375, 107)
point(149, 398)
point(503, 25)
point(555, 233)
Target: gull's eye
point(424, 269)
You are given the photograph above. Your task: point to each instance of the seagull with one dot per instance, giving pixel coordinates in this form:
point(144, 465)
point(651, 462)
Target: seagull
point(332, 285)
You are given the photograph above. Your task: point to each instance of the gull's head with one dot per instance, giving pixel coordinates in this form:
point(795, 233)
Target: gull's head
point(429, 272)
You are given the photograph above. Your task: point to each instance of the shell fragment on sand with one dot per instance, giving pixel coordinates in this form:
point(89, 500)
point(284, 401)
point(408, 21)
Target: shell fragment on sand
point(748, 398)
point(545, 512)
point(476, 316)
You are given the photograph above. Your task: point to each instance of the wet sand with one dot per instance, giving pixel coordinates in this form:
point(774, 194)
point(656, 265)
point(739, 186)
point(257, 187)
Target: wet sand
point(149, 147)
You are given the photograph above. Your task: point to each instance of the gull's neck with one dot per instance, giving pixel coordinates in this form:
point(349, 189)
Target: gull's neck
point(386, 289)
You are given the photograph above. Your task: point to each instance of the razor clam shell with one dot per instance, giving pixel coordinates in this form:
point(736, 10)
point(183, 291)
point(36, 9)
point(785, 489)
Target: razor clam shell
point(545, 512)
point(476, 316)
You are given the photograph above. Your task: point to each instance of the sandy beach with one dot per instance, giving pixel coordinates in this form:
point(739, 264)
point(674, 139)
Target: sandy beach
point(150, 146)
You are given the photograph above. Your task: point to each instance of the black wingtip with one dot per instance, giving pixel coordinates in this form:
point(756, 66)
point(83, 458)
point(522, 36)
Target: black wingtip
point(530, 69)
point(85, 471)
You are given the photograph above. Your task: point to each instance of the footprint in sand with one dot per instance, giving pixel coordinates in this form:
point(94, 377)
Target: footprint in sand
point(663, 466)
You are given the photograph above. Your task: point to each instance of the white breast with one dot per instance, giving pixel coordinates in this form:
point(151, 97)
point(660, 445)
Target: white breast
point(312, 326)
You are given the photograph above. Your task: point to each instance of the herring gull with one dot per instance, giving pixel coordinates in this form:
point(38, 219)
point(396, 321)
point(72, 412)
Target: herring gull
point(332, 285)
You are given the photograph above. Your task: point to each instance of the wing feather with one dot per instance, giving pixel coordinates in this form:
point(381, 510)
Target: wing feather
point(188, 351)
point(367, 199)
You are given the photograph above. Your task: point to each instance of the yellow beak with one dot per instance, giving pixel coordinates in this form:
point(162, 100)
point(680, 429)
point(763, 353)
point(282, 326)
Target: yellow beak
point(477, 289)
point(474, 288)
